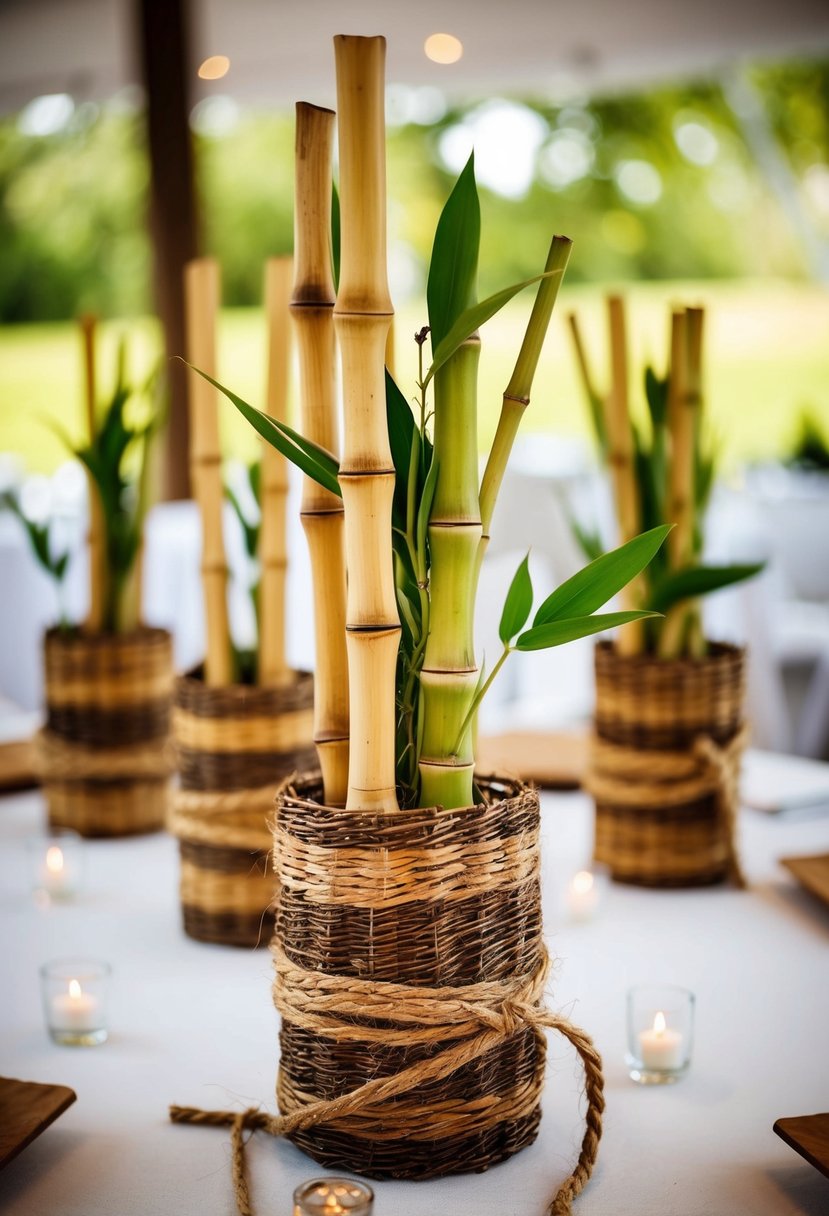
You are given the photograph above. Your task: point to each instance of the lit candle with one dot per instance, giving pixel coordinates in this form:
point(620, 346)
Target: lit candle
point(660, 1047)
point(582, 895)
point(333, 1197)
point(54, 876)
point(75, 1009)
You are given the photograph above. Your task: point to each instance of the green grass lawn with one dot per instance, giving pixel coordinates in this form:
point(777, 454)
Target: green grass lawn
point(767, 343)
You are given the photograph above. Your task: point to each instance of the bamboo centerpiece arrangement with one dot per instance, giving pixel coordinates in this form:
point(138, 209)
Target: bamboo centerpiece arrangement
point(241, 723)
point(103, 754)
point(410, 964)
point(669, 703)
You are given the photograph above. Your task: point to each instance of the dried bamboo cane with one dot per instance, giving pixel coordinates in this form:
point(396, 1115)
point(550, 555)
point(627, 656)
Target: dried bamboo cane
point(361, 316)
point(594, 397)
point(312, 305)
point(620, 457)
point(201, 288)
point(273, 559)
point(96, 543)
point(682, 426)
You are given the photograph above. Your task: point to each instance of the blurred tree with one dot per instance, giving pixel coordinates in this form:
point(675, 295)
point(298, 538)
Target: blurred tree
point(653, 185)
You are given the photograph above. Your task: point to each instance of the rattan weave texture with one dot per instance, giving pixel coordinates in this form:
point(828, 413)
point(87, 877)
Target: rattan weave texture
point(661, 807)
point(103, 754)
point(234, 746)
point(455, 909)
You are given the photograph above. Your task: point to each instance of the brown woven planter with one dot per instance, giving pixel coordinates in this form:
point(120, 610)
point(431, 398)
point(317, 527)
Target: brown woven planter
point(665, 765)
point(103, 756)
point(427, 899)
point(234, 746)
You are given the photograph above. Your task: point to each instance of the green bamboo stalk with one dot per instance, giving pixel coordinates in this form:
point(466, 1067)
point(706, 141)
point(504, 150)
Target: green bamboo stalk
point(517, 393)
point(449, 676)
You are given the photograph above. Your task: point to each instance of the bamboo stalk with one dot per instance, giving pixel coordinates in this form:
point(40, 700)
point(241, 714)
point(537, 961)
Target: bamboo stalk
point(517, 393)
point(620, 458)
point(201, 290)
point(449, 677)
point(594, 397)
point(312, 304)
point(273, 558)
point(683, 414)
point(96, 536)
point(362, 315)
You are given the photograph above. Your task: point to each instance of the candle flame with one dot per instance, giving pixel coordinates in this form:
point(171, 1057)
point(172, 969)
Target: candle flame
point(659, 1023)
point(582, 882)
point(54, 859)
point(74, 990)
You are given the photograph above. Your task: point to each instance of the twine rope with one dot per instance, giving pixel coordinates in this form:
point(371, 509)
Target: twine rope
point(479, 1017)
point(225, 818)
point(57, 759)
point(636, 777)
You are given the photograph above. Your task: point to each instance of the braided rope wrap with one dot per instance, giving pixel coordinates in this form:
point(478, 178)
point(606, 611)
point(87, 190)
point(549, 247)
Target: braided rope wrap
point(234, 746)
point(664, 769)
point(103, 756)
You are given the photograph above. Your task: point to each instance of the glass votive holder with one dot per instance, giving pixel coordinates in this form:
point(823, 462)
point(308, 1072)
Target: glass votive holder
point(56, 864)
point(660, 1031)
point(75, 995)
point(586, 891)
point(333, 1197)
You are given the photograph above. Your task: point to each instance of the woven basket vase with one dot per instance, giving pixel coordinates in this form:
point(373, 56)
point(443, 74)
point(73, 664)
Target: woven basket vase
point(234, 744)
point(652, 707)
point(104, 752)
point(428, 899)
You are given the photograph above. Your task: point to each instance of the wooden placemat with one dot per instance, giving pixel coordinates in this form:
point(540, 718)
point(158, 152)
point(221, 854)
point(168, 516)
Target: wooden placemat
point(812, 872)
point(555, 760)
point(809, 1136)
point(17, 766)
point(26, 1109)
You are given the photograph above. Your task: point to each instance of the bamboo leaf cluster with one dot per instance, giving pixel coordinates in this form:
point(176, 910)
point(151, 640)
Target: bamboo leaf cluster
point(662, 469)
point(441, 511)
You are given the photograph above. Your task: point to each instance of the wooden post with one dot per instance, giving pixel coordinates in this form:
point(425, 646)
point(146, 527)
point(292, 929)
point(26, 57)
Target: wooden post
point(166, 69)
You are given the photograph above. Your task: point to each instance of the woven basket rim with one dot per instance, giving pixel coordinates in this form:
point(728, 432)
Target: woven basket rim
point(718, 652)
point(194, 678)
point(512, 787)
point(77, 638)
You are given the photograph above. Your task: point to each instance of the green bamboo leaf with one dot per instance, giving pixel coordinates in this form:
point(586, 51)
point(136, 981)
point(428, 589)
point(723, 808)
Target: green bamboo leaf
point(698, 580)
point(556, 633)
point(656, 395)
point(425, 508)
point(402, 430)
point(597, 583)
point(518, 603)
point(474, 317)
point(589, 540)
point(314, 461)
point(453, 267)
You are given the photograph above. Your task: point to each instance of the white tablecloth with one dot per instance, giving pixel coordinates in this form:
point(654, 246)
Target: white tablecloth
point(194, 1024)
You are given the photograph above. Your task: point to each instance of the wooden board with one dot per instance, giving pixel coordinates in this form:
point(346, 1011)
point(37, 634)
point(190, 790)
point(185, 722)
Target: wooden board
point(809, 1136)
point(812, 872)
point(17, 766)
point(26, 1109)
point(554, 760)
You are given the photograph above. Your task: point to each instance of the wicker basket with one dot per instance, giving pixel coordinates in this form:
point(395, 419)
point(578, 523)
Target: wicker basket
point(665, 765)
point(103, 756)
point(426, 899)
point(234, 745)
